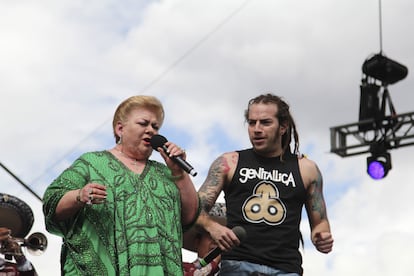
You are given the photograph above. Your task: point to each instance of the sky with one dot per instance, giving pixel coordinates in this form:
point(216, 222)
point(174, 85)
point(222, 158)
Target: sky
point(66, 65)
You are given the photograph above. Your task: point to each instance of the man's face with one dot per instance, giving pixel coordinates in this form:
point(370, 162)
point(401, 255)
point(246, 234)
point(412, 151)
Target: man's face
point(265, 132)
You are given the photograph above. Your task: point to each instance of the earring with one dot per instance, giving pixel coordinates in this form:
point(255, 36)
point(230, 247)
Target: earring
point(119, 140)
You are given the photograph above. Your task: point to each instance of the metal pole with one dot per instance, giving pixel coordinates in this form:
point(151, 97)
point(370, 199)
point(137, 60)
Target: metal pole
point(20, 181)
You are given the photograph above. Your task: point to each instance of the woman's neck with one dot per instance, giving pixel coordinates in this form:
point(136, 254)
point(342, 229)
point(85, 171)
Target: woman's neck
point(135, 164)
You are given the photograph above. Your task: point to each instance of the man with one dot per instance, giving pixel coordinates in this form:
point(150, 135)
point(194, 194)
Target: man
point(265, 190)
point(10, 248)
point(16, 220)
point(199, 241)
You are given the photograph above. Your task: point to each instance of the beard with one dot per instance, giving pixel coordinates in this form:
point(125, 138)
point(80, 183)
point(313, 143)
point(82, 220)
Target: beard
point(270, 146)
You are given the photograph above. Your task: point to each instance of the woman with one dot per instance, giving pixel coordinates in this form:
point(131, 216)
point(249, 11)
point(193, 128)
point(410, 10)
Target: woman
point(119, 212)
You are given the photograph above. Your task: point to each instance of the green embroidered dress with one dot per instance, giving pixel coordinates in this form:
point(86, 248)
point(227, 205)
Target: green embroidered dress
point(137, 231)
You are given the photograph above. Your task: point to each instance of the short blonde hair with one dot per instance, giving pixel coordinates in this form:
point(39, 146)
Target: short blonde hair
point(134, 102)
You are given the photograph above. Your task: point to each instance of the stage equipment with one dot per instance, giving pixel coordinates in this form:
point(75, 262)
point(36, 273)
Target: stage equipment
point(379, 163)
point(377, 131)
point(384, 69)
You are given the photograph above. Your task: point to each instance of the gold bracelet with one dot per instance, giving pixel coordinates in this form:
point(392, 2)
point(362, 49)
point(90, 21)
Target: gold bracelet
point(177, 177)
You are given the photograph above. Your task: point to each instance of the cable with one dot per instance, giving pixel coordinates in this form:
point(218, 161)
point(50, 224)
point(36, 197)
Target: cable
point(380, 25)
point(69, 152)
point(156, 79)
point(195, 46)
point(20, 181)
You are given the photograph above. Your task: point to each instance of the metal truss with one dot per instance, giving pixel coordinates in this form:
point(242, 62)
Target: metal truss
point(357, 138)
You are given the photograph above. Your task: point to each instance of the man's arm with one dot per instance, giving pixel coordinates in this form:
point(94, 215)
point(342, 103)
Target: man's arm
point(315, 206)
point(219, 175)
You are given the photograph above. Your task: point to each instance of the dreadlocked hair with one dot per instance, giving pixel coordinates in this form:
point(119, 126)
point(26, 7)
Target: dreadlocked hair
point(284, 117)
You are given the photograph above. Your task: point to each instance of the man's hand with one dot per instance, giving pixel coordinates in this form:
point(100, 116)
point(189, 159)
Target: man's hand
point(323, 242)
point(4, 234)
point(223, 236)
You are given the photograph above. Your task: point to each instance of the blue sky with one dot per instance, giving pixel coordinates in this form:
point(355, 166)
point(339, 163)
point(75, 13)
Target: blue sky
point(66, 65)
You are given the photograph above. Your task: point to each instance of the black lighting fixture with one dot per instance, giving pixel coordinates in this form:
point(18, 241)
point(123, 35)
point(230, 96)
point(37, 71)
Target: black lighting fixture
point(369, 105)
point(379, 71)
point(379, 163)
point(384, 69)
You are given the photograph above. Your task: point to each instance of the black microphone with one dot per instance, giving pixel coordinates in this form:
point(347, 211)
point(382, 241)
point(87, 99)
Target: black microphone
point(241, 235)
point(158, 141)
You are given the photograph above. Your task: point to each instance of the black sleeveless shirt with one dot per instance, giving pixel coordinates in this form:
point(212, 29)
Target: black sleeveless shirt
point(266, 197)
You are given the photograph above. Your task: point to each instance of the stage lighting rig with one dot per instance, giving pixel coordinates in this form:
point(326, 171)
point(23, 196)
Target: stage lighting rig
point(377, 131)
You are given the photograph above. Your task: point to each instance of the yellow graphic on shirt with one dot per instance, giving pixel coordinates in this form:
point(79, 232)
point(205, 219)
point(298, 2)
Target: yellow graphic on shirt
point(264, 205)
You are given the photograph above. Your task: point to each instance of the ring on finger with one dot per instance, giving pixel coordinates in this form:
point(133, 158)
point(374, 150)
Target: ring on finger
point(90, 199)
point(99, 200)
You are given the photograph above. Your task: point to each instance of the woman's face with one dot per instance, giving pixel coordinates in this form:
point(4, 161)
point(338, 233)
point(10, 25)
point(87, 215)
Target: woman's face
point(136, 132)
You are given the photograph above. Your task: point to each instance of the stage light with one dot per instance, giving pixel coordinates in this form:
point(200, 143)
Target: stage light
point(378, 165)
point(384, 69)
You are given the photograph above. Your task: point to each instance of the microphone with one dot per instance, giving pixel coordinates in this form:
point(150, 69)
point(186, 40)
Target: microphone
point(158, 141)
point(241, 235)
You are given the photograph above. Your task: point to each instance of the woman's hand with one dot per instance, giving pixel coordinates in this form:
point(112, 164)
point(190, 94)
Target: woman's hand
point(172, 150)
point(92, 193)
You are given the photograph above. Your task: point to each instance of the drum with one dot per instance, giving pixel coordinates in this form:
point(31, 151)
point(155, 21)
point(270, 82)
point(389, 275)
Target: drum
point(16, 215)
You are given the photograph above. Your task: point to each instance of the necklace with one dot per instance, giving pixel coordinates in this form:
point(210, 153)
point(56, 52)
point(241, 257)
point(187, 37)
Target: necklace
point(134, 160)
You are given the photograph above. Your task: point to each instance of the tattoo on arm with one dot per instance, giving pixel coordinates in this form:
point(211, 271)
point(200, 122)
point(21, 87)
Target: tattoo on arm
point(315, 196)
point(214, 183)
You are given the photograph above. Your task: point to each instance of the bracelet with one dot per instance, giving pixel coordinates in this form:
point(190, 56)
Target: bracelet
point(177, 177)
point(78, 199)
